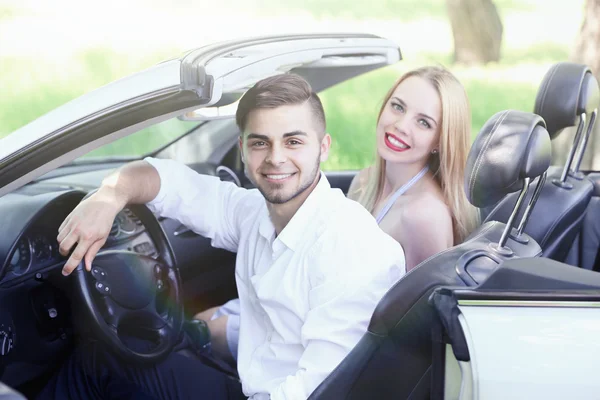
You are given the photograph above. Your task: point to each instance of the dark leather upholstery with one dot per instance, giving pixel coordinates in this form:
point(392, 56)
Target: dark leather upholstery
point(511, 146)
point(585, 248)
point(557, 217)
point(566, 91)
point(393, 360)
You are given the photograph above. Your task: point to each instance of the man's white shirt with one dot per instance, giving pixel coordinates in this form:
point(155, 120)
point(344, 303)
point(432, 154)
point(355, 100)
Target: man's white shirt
point(307, 294)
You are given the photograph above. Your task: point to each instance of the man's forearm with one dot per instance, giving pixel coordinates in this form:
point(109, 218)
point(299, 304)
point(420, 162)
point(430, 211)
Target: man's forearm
point(134, 183)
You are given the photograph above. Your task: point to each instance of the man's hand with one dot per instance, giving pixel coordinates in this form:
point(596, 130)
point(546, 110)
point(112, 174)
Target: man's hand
point(88, 227)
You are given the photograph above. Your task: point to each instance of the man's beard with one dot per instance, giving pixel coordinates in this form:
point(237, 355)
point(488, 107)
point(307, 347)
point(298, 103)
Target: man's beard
point(273, 197)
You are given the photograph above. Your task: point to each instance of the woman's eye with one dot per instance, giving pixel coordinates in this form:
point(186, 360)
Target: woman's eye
point(397, 107)
point(425, 123)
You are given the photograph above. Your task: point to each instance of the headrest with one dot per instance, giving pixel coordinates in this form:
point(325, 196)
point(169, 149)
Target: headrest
point(511, 146)
point(567, 91)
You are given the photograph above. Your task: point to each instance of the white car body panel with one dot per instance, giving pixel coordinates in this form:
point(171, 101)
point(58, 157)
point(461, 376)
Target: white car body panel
point(532, 351)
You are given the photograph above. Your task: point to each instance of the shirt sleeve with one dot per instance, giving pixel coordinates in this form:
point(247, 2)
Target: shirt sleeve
point(341, 306)
point(205, 204)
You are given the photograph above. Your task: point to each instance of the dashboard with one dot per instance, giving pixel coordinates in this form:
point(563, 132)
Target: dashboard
point(36, 249)
point(37, 322)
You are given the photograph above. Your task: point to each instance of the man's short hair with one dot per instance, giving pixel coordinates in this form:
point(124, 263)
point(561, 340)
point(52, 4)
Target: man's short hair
point(277, 91)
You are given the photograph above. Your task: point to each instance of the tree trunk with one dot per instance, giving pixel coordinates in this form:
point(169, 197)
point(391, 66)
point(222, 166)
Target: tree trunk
point(477, 31)
point(586, 51)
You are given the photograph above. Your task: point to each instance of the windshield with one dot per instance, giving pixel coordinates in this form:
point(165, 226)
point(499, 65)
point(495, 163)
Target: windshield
point(142, 142)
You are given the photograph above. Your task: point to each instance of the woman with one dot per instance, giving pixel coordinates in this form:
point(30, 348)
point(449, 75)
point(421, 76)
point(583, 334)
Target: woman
point(415, 189)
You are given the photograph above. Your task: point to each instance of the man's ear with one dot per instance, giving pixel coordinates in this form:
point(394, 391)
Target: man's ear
point(325, 146)
point(241, 144)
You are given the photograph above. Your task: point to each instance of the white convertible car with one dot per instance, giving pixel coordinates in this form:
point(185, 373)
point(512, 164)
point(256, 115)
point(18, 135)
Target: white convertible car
point(512, 312)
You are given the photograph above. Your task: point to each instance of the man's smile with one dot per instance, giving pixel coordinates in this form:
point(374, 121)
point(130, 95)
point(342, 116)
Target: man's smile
point(278, 178)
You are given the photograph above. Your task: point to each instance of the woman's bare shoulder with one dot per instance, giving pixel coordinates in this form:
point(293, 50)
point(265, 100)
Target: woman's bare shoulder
point(426, 207)
point(425, 213)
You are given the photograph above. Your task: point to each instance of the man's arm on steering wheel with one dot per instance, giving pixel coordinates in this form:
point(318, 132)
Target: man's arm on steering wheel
point(205, 204)
point(88, 225)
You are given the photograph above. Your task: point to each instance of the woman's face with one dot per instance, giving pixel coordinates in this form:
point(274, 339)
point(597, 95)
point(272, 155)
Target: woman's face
point(409, 126)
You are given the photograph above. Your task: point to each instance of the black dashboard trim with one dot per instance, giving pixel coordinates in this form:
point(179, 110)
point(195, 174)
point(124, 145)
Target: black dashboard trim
point(15, 222)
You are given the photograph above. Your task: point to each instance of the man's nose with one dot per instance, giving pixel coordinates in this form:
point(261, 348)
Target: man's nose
point(277, 155)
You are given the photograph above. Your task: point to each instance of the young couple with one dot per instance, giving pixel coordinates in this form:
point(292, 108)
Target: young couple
point(311, 264)
point(415, 188)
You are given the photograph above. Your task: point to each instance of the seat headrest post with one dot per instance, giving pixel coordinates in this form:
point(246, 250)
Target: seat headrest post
point(513, 215)
point(581, 150)
point(532, 202)
point(562, 182)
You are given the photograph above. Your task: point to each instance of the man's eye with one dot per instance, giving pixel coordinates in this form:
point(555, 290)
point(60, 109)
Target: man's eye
point(294, 142)
point(258, 144)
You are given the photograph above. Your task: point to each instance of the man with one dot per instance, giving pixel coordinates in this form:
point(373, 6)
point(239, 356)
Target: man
point(311, 265)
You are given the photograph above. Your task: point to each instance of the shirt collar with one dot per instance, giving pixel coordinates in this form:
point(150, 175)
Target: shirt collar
point(293, 232)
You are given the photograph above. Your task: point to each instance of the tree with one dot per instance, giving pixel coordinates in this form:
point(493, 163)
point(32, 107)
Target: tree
point(477, 30)
point(586, 51)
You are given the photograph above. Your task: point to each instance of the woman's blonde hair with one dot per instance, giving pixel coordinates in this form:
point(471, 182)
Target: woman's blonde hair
point(448, 164)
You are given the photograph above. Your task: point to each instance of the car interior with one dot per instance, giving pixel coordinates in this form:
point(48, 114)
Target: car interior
point(530, 211)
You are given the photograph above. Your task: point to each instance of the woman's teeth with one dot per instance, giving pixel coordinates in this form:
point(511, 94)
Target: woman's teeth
point(396, 142)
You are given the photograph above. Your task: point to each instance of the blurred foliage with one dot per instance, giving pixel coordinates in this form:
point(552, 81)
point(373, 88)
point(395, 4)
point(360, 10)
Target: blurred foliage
point(33, 85)
point(401, 10)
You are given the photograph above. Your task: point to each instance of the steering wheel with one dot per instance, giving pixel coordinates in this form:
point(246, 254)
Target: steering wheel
point(129, 289)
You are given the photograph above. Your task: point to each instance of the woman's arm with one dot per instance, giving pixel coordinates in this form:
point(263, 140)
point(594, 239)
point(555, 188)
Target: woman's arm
point(424, 230)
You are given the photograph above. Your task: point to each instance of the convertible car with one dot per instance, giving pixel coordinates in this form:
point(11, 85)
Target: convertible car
point(510, 313)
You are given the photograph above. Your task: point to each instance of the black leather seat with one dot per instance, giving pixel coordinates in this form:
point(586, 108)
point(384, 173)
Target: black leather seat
point(568, 93)
point(585, 249)
point(393, 359)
